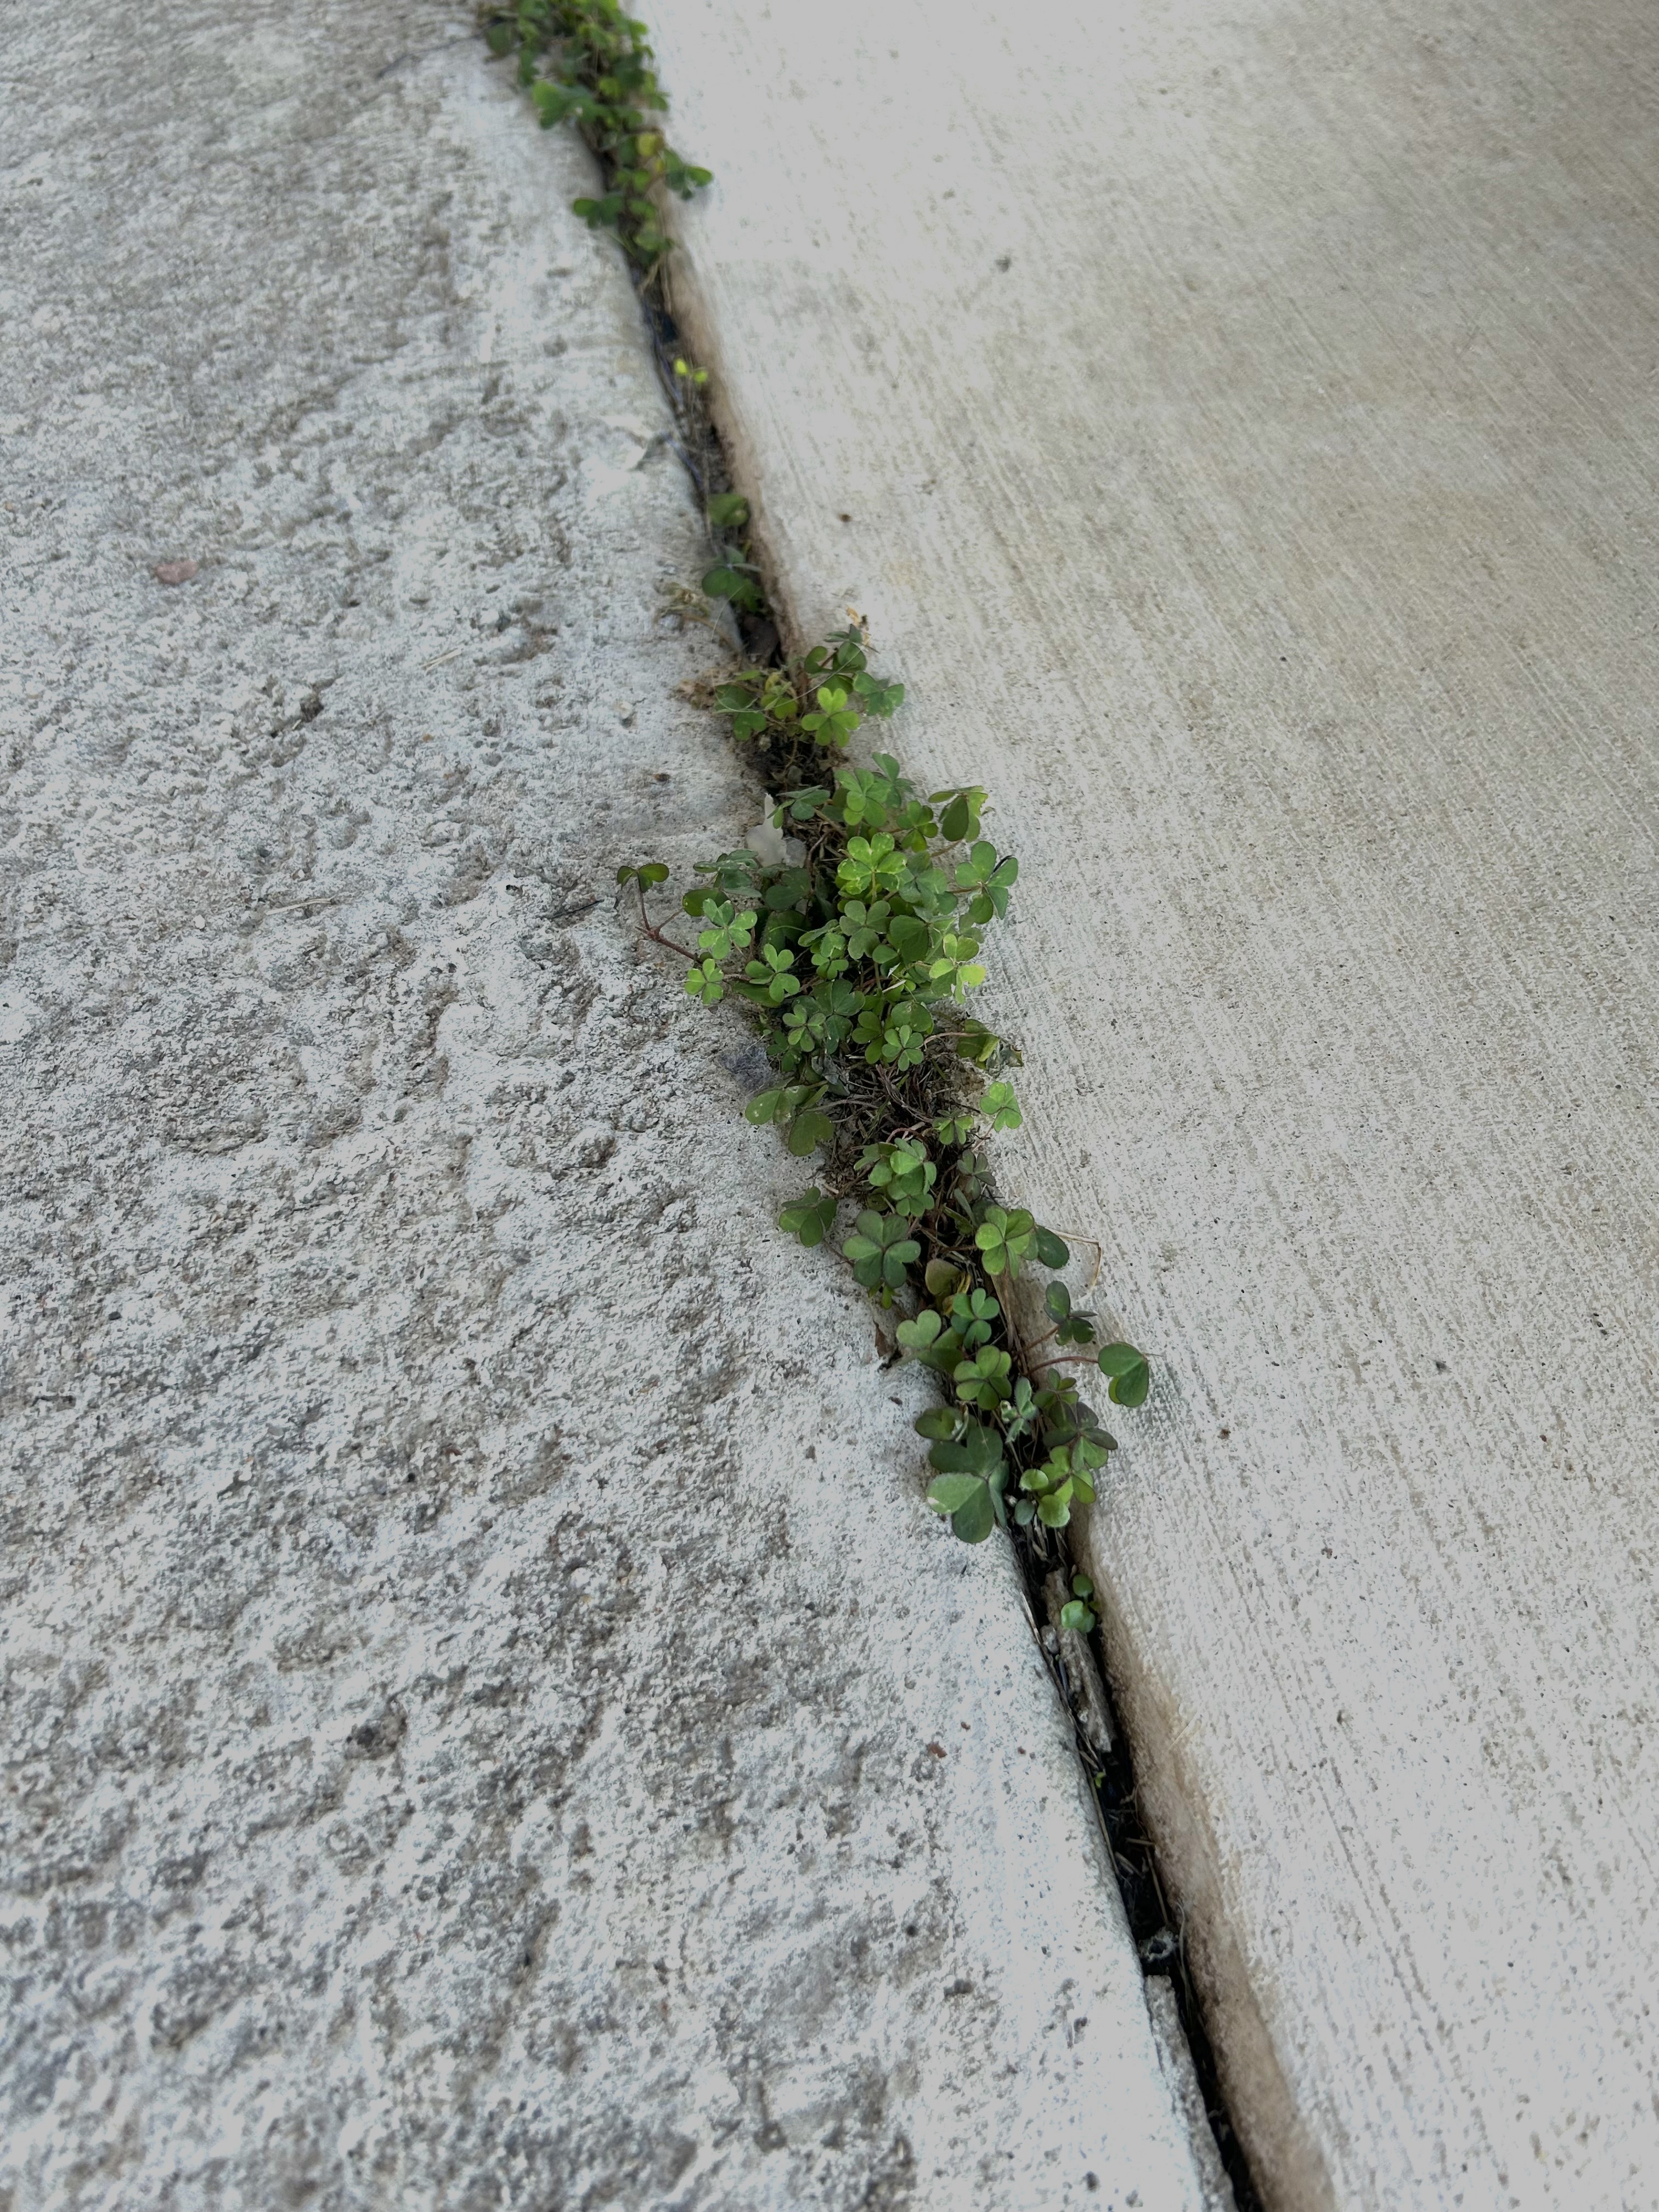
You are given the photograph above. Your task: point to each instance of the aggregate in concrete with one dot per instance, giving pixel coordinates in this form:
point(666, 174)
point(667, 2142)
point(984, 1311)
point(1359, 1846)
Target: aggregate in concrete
point(489, 1720)
point(1237, 418)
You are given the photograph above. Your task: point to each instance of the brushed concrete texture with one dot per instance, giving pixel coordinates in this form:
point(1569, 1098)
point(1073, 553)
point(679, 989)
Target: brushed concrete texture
point(1239, 420)
point(488, 1719)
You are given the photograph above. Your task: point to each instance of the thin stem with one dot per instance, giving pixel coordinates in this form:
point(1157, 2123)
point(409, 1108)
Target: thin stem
point(656, 935)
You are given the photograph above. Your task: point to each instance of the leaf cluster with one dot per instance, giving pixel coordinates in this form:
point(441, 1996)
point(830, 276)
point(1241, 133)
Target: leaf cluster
point(858, 952)
point(585, 62)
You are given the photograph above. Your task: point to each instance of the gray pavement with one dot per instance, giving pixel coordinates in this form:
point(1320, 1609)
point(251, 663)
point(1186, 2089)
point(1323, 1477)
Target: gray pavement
point(488, 1721)
point(1240, 421)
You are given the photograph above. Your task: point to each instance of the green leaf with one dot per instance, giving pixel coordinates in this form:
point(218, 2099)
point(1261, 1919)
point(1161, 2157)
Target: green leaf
point(1077, 1617)
point(1131, 1378)
point(897, 1259)
point(974, 1522)
point(1056, 1297)
point(948, 1493)
point(553, 102)
point(918, 1334)
point(705, 982)
point(811, 1217)
point(978, 1451)
point(728, 510)
point(1051, 1250)
point(808, 1131)
point(793, 887)
point(1000, 1109)
point(942, 1278)
point(938, 1422)
point(729, 583)
point(761, 1108)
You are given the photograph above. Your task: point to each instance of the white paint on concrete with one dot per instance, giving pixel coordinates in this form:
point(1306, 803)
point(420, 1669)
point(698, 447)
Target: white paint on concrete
point(1239, 422)
point(489, 1720)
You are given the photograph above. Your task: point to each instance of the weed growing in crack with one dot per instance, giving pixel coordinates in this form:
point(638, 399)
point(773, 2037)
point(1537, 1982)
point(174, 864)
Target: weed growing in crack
point(851, 928)
point(855, 938)
point(585, 62)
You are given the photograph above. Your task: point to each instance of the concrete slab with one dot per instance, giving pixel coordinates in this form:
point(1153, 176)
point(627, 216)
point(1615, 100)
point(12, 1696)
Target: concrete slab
point(1238, 422)
point(489, 1720)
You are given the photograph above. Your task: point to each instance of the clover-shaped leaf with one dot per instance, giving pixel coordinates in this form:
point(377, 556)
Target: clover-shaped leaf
point(856, 959)
point(871, 866)
point(705, 982)
point(734, 580)
point(1131, 1377)
point(728, 930)
point(808, 1130)
point(962, 805)
point(972, 1522)
point(774, 970)
point(1001, 1111)
point(918, 1335)
point(969, 1484)
point(1021, 1410)
point(810, 1217)
point(1004, 1239)
point(880, 1250)
point(982, 1381)
point(978, 1451)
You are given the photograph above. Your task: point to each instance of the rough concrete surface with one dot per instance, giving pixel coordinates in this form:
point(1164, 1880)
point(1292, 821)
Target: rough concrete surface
point(488, 1719)
point(1237, 418)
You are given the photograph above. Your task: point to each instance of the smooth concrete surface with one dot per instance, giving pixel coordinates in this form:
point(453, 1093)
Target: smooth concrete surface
point(1240, 421)
point(488, 1721)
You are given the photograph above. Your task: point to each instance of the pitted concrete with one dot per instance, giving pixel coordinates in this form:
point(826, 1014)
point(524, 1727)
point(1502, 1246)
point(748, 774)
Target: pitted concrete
point(489, 1720)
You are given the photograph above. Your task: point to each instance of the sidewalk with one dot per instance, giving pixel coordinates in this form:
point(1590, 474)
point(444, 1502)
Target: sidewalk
point(490, 1722)
point(1238, 422)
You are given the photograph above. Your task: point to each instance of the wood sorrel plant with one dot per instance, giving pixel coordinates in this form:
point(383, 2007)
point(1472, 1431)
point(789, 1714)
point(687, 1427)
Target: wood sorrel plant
point(855, 941)
point(584, 61)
